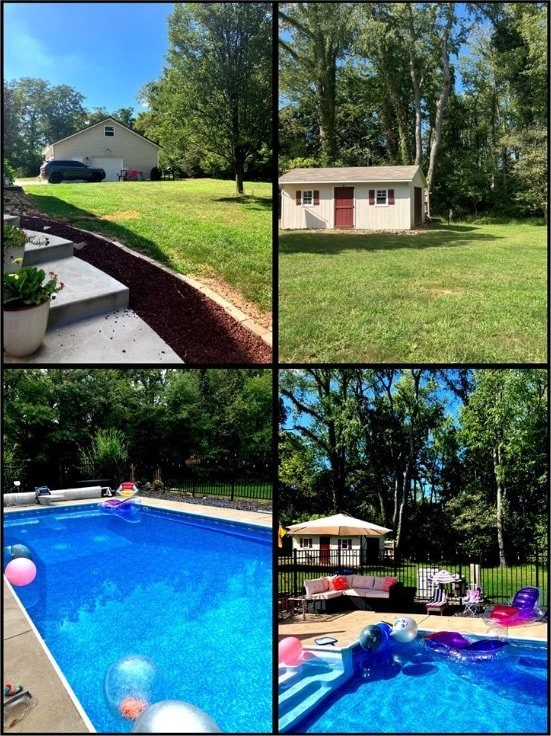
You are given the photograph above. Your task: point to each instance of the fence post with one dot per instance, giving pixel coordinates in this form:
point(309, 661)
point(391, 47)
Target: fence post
point(295, 572)
point(537, 560)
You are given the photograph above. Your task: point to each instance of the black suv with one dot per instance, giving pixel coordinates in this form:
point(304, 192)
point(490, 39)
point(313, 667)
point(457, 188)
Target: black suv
point(56, 171)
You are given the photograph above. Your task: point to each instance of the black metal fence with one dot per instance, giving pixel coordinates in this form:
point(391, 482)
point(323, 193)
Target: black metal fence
point(498, 585)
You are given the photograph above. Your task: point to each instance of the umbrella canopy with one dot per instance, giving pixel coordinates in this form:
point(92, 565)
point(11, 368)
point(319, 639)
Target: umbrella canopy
point(339, 525)
point(444, 576)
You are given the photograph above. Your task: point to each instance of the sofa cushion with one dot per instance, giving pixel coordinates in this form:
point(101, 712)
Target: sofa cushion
point(318, 585)
point(362, 581)
point(379, 583)
point(389, 582)
point(366, 593)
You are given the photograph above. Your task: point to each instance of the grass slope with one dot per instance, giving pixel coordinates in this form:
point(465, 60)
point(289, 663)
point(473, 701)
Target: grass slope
point(456, 293)
point(196, 226)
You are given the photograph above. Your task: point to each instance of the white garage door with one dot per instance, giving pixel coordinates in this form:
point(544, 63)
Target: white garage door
point(112, 167)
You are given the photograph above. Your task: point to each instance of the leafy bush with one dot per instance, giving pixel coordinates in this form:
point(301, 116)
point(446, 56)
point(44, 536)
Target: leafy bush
point(106, 456)
point(155, 174)
point(9, 172)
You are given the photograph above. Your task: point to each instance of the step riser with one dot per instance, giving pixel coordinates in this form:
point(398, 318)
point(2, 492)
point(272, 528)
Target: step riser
point(13, 220)
point(34, 256)
point(64, 313)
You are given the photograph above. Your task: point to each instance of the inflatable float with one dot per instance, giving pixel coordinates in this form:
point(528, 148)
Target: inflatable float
point(523, 609)
point(454, 645)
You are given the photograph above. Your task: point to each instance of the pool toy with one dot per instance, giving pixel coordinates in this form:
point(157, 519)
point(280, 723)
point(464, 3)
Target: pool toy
point(175, 716)
point(523, 609)
point(132, 708)
point(20, 571)
point(404, 629)
point(18, 550)
point(290, 651)
point(127, 489)
point(374, 637)
point(128, 685)
point(454, 645)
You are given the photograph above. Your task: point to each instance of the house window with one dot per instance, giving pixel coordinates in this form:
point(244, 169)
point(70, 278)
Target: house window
point(381, 196)
point(109, 131)
point(345, 544)
point(307, 197)
point(306, 542)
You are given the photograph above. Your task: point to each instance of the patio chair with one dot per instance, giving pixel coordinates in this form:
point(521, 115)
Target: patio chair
point(438, 602)
point(472, 602)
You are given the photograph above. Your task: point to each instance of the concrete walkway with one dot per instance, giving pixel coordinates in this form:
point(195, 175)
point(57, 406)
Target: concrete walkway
point(27, 660)
point(346, 626)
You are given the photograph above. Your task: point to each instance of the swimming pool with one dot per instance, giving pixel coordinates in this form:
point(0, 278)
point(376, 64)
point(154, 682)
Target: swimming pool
point(416, 691)
point(189, 592)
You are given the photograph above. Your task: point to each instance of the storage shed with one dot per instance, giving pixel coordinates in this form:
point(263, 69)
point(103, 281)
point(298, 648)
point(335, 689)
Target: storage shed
point(358, 197)
point(111, 146)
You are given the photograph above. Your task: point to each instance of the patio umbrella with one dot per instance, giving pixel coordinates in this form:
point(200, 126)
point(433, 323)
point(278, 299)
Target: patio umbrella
point(339, 525)
point(444, 576)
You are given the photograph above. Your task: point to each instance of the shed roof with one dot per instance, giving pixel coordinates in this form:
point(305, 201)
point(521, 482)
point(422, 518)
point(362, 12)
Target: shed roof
point(349, 174)
point(102, 122)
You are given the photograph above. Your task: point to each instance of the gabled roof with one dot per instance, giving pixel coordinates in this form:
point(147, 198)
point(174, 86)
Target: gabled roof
point(102, 122)
point(350, 174)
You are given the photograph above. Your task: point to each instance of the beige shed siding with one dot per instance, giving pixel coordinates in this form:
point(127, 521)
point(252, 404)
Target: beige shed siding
point(136, 152)
point(398, 216)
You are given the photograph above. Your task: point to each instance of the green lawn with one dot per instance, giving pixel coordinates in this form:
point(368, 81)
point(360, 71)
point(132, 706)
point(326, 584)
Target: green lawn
point(452, 293)
point(196, 226)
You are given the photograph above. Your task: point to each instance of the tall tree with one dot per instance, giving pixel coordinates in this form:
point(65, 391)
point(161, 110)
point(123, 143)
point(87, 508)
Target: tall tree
point(215, 92)
point(314, 37)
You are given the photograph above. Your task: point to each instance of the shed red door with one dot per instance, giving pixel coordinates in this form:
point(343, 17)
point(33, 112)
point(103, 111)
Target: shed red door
point(418, 206)
point(344, 206)
point(325, 550)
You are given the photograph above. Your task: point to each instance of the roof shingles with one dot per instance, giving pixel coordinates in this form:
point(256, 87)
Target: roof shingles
point(350, 174)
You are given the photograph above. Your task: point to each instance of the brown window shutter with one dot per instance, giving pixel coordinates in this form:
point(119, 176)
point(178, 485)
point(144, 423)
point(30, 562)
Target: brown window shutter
point(298, 196)
point(371, 196)
point(316, 196)
point(391, 196)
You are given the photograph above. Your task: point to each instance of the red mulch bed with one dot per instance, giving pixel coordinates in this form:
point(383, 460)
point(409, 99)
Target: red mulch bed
point(196, 328)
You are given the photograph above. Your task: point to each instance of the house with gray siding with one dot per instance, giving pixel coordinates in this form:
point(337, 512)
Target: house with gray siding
point(111, 146)
point(357, 197)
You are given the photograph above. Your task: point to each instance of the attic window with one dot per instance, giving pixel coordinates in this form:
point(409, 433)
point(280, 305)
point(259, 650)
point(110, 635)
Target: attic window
point(109, 131)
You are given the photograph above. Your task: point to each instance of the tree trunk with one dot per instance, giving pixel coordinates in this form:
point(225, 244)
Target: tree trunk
point(416, 88)
point(239, 170)
point(440, 104)
point(500, 498)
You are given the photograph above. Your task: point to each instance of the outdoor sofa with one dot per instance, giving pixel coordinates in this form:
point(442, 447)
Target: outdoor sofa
point(356, 590)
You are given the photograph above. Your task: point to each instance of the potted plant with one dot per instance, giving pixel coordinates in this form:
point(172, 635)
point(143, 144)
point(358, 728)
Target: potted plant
point(26, 297)
point(13, 248)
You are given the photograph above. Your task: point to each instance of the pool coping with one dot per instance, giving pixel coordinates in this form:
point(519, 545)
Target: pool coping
point(28, 660)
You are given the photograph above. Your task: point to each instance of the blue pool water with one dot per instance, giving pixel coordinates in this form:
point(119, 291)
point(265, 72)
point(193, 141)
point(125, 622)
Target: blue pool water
point(417, 691)
point(190, 593)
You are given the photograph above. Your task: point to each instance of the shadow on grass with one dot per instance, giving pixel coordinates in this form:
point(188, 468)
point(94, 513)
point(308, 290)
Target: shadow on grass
point(257, 203)
point(56, 209)
point(330, 242)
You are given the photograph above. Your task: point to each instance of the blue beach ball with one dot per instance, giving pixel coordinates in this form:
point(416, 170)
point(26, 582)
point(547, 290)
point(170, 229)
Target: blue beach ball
point(373, 637)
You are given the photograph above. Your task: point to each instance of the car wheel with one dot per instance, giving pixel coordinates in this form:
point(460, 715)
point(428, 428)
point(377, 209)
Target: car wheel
point(95, 177)
point(55, 178)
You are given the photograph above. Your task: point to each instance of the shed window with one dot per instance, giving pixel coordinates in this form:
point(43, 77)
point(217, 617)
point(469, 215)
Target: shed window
point(381, 197)
point(345, 543)
point(109, 131)
point(306, 542)
point(307, 197)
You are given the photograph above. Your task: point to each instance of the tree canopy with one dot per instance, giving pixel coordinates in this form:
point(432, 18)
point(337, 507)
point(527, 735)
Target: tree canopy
point(61, 423)
point(454, 461)
point(458, 88)
point(212, 106)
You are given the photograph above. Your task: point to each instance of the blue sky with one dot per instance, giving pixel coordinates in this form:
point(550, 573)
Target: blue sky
point(105, 51)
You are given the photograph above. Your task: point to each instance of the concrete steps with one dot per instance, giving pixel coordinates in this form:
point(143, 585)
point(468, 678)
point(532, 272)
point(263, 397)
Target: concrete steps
point(89, 318)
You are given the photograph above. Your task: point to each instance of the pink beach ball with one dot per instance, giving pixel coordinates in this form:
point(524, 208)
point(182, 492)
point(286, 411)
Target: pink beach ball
point(20, 571)
point(290, 650)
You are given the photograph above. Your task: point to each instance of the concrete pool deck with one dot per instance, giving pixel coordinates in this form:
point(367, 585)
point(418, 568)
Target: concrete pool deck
point(26, 660)
point(345, 627)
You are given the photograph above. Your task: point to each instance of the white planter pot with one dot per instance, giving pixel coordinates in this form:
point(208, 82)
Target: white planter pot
point(24, 329)
point(9, 256)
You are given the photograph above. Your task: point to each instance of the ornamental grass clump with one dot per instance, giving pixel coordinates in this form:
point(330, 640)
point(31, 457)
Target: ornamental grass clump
point(29, 287)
